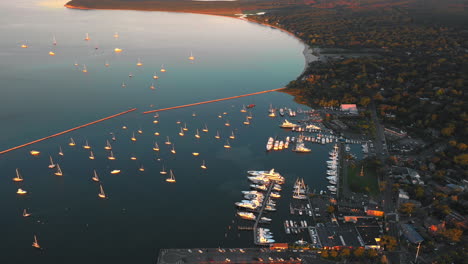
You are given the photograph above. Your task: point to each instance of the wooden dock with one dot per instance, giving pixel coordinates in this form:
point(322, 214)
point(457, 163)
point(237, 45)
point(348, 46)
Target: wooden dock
point(66, 131)
point(260, 212)
point(212, 101)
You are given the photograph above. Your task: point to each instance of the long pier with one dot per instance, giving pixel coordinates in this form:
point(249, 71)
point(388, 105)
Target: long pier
point(212, 101)
point(260, 212)
point(66, 131)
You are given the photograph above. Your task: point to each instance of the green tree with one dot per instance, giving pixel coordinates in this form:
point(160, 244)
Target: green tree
point(359, 252)
point(407, 208)
point(333, 254)
point(346, 252)
point(452, 234)
point(324, 254)
point(388, 242)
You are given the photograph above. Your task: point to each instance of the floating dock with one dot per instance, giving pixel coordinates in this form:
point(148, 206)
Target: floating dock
point(66, 131)
point(260, 212)
point(212, 101)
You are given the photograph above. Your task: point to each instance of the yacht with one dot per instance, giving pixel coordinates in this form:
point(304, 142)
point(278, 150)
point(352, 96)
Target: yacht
point(281, 145)
point(139, 131)
point(168, 142)
point(26, 214)
point(118, 50)
point(18, 177)
point(197, 135)
point(259, 187)
point(156, 147)
point(217, 135)
point(95, 177)
point(205, 129)
point(171, 178)
point(111, 157)
point(195, 153)
point(21, 191)
point(115, 172)
point(155, 121)
point(286, 142)
point(203, 166)
point(108, 145)
point(141, 168)
point(101, 194)
point(52, 164)
point(163, 172)
point(133, 158)
point(301, 148)
point(60, 151)
point(227, 123)
point(35, 244)
point(86, 145)
point(91, 155)
point(59, 171)
point(270, 143)
point(246, 215)
point(51, 53)
point(276, 145)
point(72, 142)
point(287, 124)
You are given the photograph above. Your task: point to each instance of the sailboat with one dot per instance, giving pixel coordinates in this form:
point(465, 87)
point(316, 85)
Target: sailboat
point(227, 145)
point(152, 87)
point(197, 135)
point(185, 127)
point(101, 192)
point(195, 153)
point(51, 53)
point(249, 116)
point(111, 157)
point(76, 64)
point(106, 64)
point(247, 121)
point(139, 131)
point(156, 133)
point(181, 133)
point(113, 137)
point(155, 121)
point(86, 146)
point(232, 135)
point(108, 145)
point(91, 155)
point(59, 171)
point(72, 142)
point(87, 37)
point(168, 142)
point(116, 35)
point(205, 129)
point(243, 110)
point(85, 70)
point(203, 166)
point(124, 85)
point(163, 170)
point(178, 122)
point(173, 149)
point(156, 147)
point(227, 123)
point(60, 151)
point(51, 165)
point(130, 75)
point(26, 214)
point(191, 57)
point(24, 46)
point(133, 158)
point(54, 41)
point(141, 168)
point(162, 68)
point(194, 114)
point(35, 244)
point(18, 177)
point(155, 76)
point(139, 63)
point(133, 138)
point(95, 177)
point(217, 135)
point(171, 178)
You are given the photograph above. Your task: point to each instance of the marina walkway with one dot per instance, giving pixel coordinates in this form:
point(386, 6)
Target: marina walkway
point(260, 212)
point(212, 101)
point(66, 131)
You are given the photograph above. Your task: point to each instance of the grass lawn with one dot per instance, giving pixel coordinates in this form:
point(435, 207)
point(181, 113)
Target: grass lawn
point(363, 184)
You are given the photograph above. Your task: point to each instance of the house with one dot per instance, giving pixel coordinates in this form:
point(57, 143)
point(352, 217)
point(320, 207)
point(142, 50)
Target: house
point(350, 108)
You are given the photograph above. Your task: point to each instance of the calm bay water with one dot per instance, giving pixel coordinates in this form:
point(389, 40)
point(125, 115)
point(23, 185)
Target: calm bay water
point(41, 95)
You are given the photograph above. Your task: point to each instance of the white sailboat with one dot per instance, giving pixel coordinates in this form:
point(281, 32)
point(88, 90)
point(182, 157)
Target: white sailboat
point(108, 145)
point(217, 135)
point(113, 137)
point(86, 146)
point(35, 244)
point(52, 164)
point(95, 177)
point(227, 123)
point(87, 38)
point(101, 192)
point(59, 171)
point(156, 146)
point(124, 85)
point(155, 76)
point(232, 135)
point(72, 142)
point(26, 214)
point(197, 135)
point(227, 145)
point(152, 87)
point(243, 110)
point(205, 129)
point(106, 64)
point(18, 177)
point(54, 41)
point(116, 35)
point(172, 177)
point(181, 133)
point(60, 151)
point(247, 121)
point(139, 63)
point(185, 127)
point(173, 149)
point(85, 70)
point(168, 142)
point(133, 138)
point(163, 171)
point(111, 157)
point(162, 68)
point(191, 57)
point(203, 166)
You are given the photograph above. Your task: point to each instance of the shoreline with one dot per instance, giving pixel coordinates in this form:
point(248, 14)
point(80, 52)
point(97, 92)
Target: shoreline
point(307, 51)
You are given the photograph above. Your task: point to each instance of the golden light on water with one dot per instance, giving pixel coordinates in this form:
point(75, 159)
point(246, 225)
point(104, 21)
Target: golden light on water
point(52, 3)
